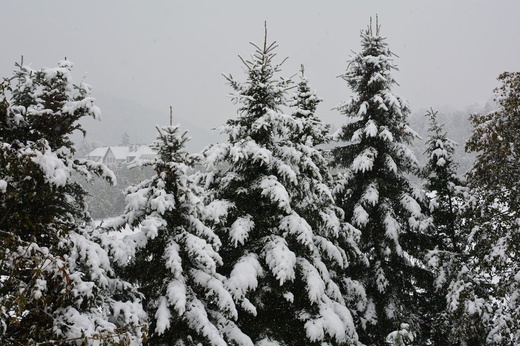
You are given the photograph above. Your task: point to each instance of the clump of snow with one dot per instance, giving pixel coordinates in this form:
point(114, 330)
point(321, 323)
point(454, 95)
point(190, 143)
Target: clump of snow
point(275, 191)
point(177, 295)
point(381, 280)
point(289, 296)
point(371, 128)
point(363, 109)
point(239, 231)
point(403, 336)
point(315, 284)
point(53, 168)
point(371, 194)
point(280, 260)
point(296, 225)
point(162, 316)
point(244, 276)
point(173, 259)
point(360, 217)
point(197, 318)
point(365, 160)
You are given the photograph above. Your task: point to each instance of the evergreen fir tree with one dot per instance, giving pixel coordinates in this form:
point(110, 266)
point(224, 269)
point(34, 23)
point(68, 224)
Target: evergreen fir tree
point(57, 284)
point(447, 195)
point(312, 131)
point(171, 255)
point(445, 186)
point(125, 139)
point(285, 247)
point(484, 294)
point(376, 194)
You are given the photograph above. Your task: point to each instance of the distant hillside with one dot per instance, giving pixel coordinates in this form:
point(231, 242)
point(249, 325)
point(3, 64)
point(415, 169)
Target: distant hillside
point(120, 116)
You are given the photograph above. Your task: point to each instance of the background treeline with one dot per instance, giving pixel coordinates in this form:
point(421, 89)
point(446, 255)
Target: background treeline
point(283, 234)
point(109, 200)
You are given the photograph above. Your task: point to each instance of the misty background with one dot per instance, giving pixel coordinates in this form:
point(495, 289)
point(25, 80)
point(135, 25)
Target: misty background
point(143, 57)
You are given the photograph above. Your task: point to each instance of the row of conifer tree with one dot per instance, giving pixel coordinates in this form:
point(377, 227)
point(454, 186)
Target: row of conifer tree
point(267, 238)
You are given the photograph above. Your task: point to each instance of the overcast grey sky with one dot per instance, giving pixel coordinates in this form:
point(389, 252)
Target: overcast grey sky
point(167, 52)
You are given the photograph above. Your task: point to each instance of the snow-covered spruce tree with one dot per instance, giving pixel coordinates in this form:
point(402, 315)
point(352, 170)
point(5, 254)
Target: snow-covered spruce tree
point(483, 296)
point(447, 197)
point(374, 190)
point(56, 282)
point(446, 188)
point(310, 131)
point(171, 255)
point(284, 245)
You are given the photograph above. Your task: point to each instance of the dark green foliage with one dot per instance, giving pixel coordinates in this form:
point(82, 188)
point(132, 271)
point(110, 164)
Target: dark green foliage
point(447, 200)
point(53, 271)
point(483, 295)
point(495, 139)
point(305, 101)
point(171, 253)
point(285, 247)
point(375, 192)
point(445, 187)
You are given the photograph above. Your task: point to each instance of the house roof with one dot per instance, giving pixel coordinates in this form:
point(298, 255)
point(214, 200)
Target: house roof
point(123, 153)
point(141, 153)
point(145, 150)
point(98, 152)
point(120, 153)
